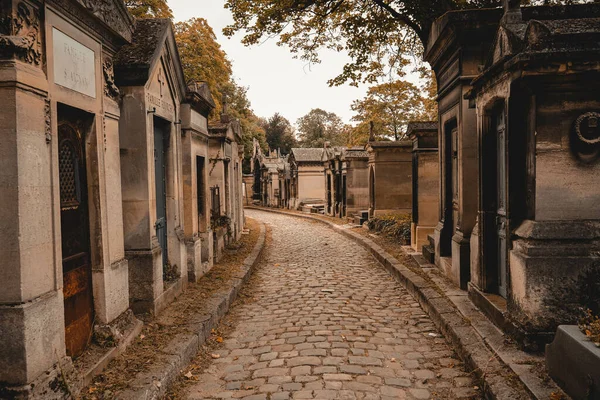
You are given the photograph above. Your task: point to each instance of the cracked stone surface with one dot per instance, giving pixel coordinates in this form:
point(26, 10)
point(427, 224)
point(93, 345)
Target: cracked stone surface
point(326, 321)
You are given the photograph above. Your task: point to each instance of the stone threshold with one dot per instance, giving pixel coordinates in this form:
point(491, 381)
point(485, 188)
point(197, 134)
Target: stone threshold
point(154, 382)
point(506, 372)
point(84, 376)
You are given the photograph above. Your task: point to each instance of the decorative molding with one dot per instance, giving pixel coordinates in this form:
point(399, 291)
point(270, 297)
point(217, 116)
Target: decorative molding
point(593, 124)
point(107, 12)
point(110, 88)
point(76, 10)
point(20, 34)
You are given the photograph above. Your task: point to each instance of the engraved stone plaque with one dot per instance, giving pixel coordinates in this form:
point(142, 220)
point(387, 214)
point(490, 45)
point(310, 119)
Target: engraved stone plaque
point(74, 64)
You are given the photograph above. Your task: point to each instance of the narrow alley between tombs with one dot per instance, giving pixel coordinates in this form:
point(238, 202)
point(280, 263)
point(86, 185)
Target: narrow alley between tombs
point(322, 319)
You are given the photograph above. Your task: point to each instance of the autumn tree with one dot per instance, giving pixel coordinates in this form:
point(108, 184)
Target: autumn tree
point(149, 8)
point(391, 106)
point(320, 126)
point(279, 133)
point(380, 36)
point(204, 60)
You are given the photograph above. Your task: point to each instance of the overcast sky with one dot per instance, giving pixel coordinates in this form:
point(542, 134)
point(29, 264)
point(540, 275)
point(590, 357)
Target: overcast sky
point(277, 81)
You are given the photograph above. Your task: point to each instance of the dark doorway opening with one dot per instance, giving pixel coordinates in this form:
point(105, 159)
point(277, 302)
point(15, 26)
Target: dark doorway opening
point(449, 187)
point(73, 128)
point(201, 193)
point(161, 145)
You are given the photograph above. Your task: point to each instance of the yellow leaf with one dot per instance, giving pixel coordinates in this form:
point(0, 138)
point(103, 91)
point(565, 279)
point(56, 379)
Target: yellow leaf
point(219, 339)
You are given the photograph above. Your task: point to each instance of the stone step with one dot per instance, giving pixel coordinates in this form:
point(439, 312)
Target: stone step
point(428, 252)
point(431, 241)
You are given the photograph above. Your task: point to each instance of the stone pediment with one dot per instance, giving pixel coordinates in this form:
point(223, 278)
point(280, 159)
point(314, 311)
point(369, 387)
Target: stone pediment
point(508, 42)
point(113, 13)
point(109, 19)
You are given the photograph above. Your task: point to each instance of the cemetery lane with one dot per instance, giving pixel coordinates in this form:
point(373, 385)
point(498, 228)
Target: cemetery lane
point(324, 320)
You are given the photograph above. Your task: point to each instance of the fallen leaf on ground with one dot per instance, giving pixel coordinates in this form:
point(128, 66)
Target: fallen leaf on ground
point(215, 356)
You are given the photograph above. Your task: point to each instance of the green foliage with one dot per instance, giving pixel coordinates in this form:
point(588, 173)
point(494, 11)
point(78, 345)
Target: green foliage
point(279, 133)
point(320, 126)
point(149, 8)
point(396, 226)
point(381, 36)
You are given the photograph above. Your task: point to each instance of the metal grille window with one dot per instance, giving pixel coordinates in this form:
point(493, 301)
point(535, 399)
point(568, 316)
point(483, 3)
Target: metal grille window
point(69, 177)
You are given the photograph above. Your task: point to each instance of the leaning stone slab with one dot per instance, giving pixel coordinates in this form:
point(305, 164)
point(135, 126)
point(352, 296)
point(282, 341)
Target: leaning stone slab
point(574, 363)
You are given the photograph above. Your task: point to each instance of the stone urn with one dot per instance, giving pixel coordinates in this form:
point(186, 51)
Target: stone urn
point(573, 361)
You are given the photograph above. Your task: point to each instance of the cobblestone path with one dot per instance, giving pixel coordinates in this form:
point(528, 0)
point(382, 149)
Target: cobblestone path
point(328, 322)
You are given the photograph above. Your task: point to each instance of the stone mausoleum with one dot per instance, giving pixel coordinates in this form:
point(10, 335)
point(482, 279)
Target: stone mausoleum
point(93, 183)
point(390, 177)
point(426, 181)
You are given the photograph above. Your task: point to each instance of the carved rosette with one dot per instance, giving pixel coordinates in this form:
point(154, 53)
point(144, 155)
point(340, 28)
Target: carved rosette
point(20, 33)
point(110, 88)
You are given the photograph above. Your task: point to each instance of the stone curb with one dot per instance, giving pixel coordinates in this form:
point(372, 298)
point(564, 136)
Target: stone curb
point(468, 344)
point(180, 351)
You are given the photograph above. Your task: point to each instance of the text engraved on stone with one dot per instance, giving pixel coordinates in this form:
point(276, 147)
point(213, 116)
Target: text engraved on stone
point(74, 64)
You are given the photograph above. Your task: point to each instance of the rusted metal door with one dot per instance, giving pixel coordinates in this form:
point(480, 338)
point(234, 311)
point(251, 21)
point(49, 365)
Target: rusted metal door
point(74, 218)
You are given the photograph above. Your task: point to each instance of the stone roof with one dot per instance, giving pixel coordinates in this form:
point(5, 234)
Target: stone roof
point(133, 62)
point(198, 94)
point(545, 34)
point(417, 127)
point(399, 143)
point(356, 152)
point(308, 154)
point(147, 37)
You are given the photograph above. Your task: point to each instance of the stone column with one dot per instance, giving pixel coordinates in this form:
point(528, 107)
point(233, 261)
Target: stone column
point(31, 300)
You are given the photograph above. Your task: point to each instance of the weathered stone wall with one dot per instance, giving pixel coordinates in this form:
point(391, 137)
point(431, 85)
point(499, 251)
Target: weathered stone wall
point(311, 184)
point(393, 179)
point(357, 186)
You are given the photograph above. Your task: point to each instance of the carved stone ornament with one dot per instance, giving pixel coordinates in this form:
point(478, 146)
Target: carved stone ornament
point(587, 128)
point(105, 10)
point(110, 88)
point(20, 34)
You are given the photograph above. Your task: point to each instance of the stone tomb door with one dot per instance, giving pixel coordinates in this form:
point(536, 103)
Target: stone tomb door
point(450, 188)
point(161, 138)
point(75, 233)
point(502, 201)
point(495, 202)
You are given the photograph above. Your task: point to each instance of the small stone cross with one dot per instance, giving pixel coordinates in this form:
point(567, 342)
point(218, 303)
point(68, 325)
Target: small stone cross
point(161, 81)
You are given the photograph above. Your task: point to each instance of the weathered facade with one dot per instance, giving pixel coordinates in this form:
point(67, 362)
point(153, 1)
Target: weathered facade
point(62, 223)
point(225, 180)
point(390, 177)
point(538, 135)
point(101, 201)
point(197, 227)
point(307, 171)
point(151, 80)
point(458, 44)
point(356, 168)
point(426, 181)
point(335, 181)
